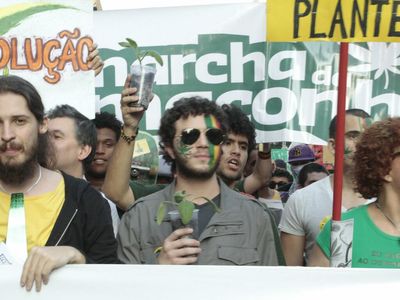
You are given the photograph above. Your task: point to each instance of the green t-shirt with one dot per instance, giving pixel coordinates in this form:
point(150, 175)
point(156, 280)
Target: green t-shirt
point(372, 248)
point(141, 190)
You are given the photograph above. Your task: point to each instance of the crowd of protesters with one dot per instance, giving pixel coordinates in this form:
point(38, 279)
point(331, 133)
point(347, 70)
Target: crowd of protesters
point(67, 179)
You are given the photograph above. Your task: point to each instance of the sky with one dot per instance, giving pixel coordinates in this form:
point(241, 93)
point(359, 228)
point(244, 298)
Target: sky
point(129, 4)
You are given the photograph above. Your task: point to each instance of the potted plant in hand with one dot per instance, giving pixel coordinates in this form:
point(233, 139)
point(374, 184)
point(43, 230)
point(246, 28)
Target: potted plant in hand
point(142, 76)
point(185, 215)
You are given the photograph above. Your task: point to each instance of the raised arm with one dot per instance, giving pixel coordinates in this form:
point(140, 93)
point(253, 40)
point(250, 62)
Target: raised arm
point(262, 171)
point(116, 184)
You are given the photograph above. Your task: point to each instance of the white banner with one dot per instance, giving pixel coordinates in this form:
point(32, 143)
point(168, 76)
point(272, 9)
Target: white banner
point(205, 282)
point(288, 90)
point(183, 36)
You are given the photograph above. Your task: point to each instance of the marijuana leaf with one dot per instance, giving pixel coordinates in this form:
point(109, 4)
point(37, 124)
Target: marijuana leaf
point(335, 248)
point(389, 59)
point(184, 150)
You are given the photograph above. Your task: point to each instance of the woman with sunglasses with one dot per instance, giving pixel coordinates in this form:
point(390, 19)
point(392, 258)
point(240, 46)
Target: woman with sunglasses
point(375, 241)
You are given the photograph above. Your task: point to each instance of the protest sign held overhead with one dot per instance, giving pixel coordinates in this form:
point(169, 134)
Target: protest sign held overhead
point(334, 20)
point(53, 58)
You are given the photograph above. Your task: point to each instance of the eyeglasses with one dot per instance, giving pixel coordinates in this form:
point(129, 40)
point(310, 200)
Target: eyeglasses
point(190, 135)
point(273, 185)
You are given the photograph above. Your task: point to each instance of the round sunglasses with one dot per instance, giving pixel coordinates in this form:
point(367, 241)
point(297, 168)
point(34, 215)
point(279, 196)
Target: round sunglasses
point(274, 185)
point(190, 135)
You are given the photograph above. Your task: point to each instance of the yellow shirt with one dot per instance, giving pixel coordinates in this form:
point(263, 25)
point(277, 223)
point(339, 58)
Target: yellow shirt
point(41, 213)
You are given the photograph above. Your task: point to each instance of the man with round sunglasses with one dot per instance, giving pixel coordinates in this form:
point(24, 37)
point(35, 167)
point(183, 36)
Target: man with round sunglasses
point(243, 233)
point(238, 143)
point(190, 135)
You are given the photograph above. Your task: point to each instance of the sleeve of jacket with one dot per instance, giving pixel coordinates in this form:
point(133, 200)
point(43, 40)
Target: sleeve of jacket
point(269, 247)
point(100, 246)
point(128, 242)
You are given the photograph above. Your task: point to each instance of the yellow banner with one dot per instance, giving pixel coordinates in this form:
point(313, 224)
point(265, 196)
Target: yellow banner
point(333, 20)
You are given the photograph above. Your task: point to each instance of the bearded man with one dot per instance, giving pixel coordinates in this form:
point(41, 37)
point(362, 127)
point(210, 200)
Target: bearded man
point(242, 233)
point(48, 219)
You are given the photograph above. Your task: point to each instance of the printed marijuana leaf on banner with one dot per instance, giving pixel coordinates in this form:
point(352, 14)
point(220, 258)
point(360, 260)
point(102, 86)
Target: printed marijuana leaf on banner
point(389, 59)
point(12, 16)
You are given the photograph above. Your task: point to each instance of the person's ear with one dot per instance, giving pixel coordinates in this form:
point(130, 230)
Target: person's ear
point(388, 177)
point(331, 145)
point(170, 151)
point(43, 126)
point(84, 152)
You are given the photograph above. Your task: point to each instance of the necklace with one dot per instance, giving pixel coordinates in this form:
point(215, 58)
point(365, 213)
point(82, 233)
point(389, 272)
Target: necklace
point(378, 206)
point(29, 188)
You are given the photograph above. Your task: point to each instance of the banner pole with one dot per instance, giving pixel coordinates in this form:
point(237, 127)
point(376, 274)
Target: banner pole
point(340, 130)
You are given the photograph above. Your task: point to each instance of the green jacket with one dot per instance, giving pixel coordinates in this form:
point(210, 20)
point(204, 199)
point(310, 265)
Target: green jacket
point(243, 233)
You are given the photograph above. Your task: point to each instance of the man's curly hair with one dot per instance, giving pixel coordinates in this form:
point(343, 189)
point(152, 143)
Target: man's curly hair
point(374, 155)
point(107, 120)
point(239, 123)
point(183, 108)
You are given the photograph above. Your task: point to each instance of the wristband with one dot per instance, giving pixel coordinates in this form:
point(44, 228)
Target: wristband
point(264, 151)
point(127, 138)
point(157, 250)
point(264, 155)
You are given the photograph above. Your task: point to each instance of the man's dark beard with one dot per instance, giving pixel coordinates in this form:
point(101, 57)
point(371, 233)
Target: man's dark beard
point(17, 174)
point(181, 166)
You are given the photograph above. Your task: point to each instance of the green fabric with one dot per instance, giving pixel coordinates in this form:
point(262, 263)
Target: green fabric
point(17, 200)
point(372, 248)
point(142, 190)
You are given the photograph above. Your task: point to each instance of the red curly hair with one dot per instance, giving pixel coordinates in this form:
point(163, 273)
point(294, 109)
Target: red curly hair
point(374, 155)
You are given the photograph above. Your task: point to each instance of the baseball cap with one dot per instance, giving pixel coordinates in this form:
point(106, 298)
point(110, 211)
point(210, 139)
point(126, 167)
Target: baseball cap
point(301, 152)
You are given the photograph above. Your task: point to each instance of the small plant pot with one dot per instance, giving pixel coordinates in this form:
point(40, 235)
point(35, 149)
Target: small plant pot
point(176, 222)
point(142, 78)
